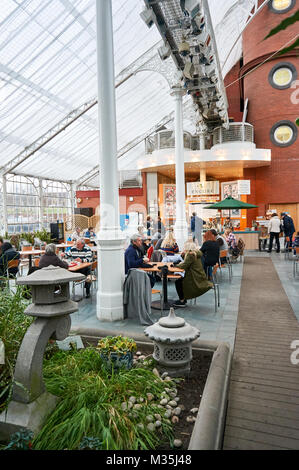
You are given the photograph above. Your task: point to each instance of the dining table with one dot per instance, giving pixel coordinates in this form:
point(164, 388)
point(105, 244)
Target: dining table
point(167, 271)
point(31, 253)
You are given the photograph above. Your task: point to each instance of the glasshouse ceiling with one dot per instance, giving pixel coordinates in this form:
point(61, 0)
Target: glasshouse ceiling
point(48, 83)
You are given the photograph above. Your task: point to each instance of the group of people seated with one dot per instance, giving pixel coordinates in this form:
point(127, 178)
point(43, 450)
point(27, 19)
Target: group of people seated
point(197, 262)
point(7, 253)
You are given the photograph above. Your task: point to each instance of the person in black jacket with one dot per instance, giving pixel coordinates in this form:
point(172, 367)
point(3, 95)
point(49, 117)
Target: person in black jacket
point(51, 259)
point(288, 226)
point(134, 257)
point(8, 254)
point(210, 250)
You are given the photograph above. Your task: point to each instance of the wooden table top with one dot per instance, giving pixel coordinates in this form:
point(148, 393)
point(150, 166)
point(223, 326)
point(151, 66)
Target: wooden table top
point(79, 266)
point(31, 252)
point(171, 269)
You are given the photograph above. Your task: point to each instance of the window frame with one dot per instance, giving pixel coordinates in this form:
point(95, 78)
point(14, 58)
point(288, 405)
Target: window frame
point(278, 66)
point(274, 10)
point(284, 123)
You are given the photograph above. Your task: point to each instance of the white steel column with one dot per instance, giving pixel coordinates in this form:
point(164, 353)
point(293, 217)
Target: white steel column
point(180, 226)
point(4, 200)
point(110, 238)
point(41, 202)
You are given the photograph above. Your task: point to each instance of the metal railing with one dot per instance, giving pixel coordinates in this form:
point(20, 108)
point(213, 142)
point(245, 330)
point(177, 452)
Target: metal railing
point(237, 132)
point(166, 139)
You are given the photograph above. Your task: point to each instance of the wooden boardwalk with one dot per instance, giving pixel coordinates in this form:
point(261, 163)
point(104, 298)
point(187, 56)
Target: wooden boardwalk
point(263, 401)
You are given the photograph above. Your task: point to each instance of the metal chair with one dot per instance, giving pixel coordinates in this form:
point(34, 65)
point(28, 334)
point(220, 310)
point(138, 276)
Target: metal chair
point(296, 261)
point(157, 291)
point(287, 248)
point(215, 287)
point(228, 264)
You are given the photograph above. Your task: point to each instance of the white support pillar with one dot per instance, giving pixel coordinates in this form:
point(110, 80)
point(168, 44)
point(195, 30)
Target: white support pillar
point(110, 238)
point(41, 203)
point(73, 202)
point(180, 226)
point(4, 200)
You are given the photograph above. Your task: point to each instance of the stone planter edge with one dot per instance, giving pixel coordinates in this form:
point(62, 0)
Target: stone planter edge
point(209, 425)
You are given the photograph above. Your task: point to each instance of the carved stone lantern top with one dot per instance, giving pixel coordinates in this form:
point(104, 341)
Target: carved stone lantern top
point(50, 291)
point(50, 275)
point(172, 329)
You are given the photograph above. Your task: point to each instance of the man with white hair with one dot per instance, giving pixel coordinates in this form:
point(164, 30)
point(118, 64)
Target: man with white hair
point(133, 254)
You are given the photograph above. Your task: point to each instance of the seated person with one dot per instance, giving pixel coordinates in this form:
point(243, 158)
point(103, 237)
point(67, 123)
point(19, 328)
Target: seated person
point(230, 238)
point(81, 252)
point(169, 245)
point(76, 234)
point(133, 254)
point(210, 250)
point(8, 253)
point(89, 233)
point(195, 282)
point(296, 242)
point(51, 259)
point(222, 244)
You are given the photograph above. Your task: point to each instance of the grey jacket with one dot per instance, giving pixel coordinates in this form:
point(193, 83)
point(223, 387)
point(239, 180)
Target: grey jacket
point(138, 296)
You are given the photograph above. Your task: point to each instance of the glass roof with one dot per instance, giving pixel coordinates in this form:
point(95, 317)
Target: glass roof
point(48, 69)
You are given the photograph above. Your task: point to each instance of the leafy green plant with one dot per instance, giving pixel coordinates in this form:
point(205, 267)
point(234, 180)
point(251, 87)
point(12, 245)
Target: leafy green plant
point(283, 25)
point(20, 440)
point(43, 235)
point(96, 403)
point(116, 344)
point(13, 325)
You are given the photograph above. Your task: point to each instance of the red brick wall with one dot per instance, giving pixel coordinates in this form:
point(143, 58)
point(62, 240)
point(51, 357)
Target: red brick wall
point(232, 85)
point(278, 183)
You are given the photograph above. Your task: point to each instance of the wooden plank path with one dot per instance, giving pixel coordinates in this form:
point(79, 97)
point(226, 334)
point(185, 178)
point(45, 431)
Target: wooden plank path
point(263, 401)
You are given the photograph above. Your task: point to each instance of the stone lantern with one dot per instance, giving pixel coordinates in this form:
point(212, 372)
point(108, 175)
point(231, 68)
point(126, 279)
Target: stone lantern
point(173, 338)
point(51, 305)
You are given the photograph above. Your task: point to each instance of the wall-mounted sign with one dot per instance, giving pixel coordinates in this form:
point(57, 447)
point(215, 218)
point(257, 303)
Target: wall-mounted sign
point(244, 187)
point(202, 188)
point(205, 199)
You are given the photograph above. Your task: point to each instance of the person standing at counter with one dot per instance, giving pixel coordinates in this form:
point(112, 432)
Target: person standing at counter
point(288, 226)
point(196, 227)
point(274, 229)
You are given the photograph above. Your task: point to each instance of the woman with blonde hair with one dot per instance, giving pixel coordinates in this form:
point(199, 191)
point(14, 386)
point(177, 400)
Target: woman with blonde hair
point(169, 244)
point(195, 282)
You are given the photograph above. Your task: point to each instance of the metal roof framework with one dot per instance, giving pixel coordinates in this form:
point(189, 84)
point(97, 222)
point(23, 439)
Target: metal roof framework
point(48, 120)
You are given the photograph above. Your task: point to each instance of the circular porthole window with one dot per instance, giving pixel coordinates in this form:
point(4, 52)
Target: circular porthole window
point(284, 133)
point(281, 6)
point(282, 75)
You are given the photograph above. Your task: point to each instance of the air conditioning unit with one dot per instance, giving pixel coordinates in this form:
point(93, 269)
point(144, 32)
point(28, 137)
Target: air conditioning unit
point(164, 52)
point(148, 17)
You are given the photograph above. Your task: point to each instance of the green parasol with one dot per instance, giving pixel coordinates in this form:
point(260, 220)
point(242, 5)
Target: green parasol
point(230, 203)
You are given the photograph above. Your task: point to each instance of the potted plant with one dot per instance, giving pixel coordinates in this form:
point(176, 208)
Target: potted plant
point(117, 351)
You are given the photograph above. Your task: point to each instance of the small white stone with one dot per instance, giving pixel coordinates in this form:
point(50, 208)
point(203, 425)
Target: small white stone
point(168, 407)
point(140, 425)
point(182, 407)
point(160, 406)
point(158, 423)
point(190, 419)
point(138, 406)
point(163, 401)
point(194, 410)
point(124, 406)
point(156, 373)
point(150, 396)
point(177, 443)
point(167, 379)
point(141, 358)
point(177, 411)
point(157, 416)
point(138, 353)
point(174, 419)
point(140, 399)
point(172, 403)
point(151, 426)
point(167, 414)
point(165, 374)
point(132, 399)
point(130, 405)
point(149, 418)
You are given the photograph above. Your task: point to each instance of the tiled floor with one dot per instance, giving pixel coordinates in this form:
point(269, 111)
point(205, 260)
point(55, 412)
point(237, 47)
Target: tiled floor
point(219, 326)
